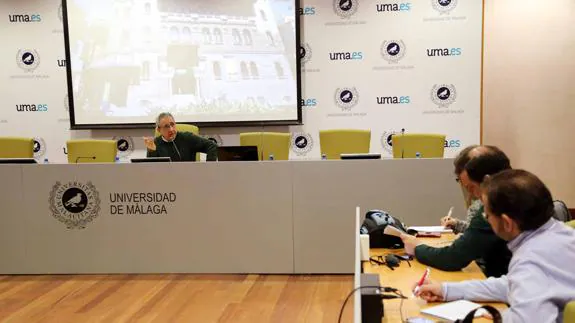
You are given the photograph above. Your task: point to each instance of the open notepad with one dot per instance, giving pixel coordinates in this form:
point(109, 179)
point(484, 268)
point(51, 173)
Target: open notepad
point(455, 310)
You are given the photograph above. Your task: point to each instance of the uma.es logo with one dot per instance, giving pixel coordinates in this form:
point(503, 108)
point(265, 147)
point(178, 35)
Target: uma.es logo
point(28, 59)
point(345, 56)
point(444, 6)
point(392, 50)
point(452, 143)
point(306, 11)
point(433, 52)
point(393, 7)
point(309, 102)
point(75, 204)
point(393, 99)
point(345, 8)
point(346, 98)
point(302, 143)
point(31, 107)
point(443, 95)
point(17, 18)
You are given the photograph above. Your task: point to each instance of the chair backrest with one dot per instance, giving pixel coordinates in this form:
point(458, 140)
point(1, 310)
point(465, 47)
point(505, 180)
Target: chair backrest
point(268, 143)
point(91, 151)
point(569, 312)
point(335, 142)
point(182, 127)
point(561, 211)
point(427, 145)
point(16, 147)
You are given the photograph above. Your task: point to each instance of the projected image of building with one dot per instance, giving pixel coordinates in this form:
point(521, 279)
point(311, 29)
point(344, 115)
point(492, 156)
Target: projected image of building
point(211, 56)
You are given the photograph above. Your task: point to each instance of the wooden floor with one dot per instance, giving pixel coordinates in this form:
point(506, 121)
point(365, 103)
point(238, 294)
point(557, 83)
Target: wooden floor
point(174, 298)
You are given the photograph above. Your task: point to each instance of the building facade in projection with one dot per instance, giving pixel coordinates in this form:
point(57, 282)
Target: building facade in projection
point(197, 57)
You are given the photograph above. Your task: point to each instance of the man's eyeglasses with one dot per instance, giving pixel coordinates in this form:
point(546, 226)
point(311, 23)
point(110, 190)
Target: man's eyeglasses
point(168, 126)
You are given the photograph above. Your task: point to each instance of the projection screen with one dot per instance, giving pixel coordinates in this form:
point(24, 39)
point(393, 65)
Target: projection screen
point(208, 62)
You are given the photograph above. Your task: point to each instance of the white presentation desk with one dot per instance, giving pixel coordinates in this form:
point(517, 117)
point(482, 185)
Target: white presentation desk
point(221, 217)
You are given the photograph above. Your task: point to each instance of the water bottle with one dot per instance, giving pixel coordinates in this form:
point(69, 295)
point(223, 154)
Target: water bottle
point(271, 157)
point(46, 161)
point(323, 157)
point(417, 155)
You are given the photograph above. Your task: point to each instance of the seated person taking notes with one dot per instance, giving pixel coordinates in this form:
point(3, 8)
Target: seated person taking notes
point(540, 282)
point(179, 146)
point(478, 241)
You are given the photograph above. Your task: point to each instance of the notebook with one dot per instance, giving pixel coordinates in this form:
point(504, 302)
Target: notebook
point(455, 310)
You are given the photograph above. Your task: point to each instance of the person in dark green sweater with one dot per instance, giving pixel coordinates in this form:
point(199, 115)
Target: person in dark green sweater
point(179, 146)
point(478, 242)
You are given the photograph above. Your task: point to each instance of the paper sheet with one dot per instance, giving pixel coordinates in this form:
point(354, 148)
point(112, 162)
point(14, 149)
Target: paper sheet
point(439, 228)
point(392, 231)
point(453, 311)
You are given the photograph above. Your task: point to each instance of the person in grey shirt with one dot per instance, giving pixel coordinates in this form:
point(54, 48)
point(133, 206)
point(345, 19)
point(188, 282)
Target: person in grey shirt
point(540, 281)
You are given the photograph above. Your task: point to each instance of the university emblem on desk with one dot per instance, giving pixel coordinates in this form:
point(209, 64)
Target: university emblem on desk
point(302, 143)
point(74, 204)
point(345, 8)
point(125, 146)
point(444, 6)
point(28, 59)
point(443, 95)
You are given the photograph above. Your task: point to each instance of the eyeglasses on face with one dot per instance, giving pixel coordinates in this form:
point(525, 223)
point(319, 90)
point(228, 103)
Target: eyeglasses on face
point(168, 126)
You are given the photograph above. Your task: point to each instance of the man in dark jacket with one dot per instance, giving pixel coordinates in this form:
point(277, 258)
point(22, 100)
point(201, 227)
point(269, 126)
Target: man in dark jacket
point(478, 241)
point(179, 146)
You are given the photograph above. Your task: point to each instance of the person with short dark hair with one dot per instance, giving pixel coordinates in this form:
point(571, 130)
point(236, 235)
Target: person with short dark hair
point(472, 204)
point(478, 242)
point(540, 282)
point(179, 146)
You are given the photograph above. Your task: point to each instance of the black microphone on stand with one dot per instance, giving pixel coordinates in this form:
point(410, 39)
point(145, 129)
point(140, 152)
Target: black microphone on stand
point(402, 142)
point(177, 151)
point(83, 157)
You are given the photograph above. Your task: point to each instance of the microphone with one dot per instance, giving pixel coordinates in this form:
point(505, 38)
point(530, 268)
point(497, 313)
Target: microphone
point(403, 143)
point(84, 157)
point(176, 148)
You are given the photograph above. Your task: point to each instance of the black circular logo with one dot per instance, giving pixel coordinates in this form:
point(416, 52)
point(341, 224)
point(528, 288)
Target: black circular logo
point(346, 96)
point(345, 5)
point(301, 142)
point(393, 49)
point(444, 3)
point(302, 52)
point(123, 145)
point(74, 200)
point(389, 140)
point(28, 58)
point(37, 146)
point(443, 93)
